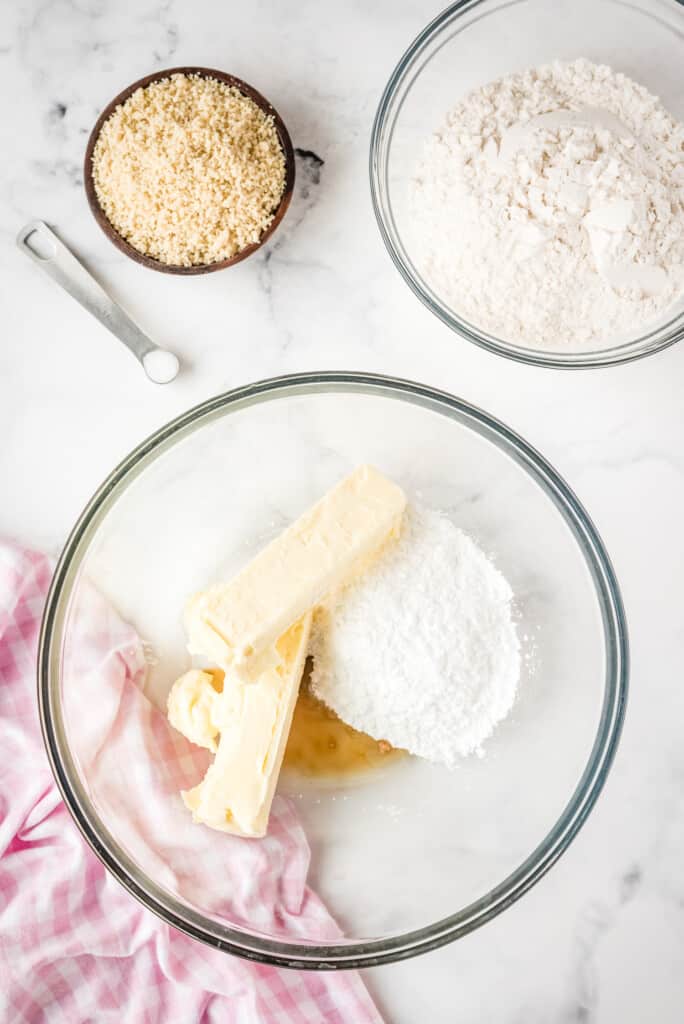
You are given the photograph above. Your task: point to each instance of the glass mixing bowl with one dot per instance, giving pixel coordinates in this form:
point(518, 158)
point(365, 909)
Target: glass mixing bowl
point(414, 855)
point(476, 41)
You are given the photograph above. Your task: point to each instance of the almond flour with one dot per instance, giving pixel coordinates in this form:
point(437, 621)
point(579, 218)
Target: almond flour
point(189, 170)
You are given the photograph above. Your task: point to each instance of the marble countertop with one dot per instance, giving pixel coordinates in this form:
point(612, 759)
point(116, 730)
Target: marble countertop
point(601, 938)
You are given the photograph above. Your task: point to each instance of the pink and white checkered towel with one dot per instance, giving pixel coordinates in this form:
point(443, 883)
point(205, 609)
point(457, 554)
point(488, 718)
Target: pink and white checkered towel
point(74, 946)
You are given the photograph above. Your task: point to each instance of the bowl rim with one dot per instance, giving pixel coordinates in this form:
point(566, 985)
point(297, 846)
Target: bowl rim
point(406, 70)
point(200, 268)
point(372, 952)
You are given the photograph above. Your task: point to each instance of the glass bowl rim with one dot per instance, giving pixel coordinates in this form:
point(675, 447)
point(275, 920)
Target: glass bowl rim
point(370, 952)
point(655, 340)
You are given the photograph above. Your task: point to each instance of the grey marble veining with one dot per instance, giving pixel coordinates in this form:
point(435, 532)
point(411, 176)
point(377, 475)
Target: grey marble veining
point(601, 939)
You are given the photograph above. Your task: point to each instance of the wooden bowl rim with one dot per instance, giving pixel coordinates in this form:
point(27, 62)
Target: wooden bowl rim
point(200, 268)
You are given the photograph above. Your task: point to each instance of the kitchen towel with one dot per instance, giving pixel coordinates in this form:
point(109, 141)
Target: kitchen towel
point(74, 945)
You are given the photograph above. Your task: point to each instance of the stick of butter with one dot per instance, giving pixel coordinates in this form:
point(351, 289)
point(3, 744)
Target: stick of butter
point(237, 624)
point(254, 719)
point(257, 627)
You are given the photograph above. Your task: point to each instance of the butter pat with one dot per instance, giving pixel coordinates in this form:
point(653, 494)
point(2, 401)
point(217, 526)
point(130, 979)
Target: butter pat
point(238, 623)
point(193, 708)
point(254, 719)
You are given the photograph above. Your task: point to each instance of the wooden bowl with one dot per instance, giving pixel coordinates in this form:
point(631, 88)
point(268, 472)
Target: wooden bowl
point(200, 268)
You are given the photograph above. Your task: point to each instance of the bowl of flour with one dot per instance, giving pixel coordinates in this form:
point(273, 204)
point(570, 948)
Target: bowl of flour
point(528, 179)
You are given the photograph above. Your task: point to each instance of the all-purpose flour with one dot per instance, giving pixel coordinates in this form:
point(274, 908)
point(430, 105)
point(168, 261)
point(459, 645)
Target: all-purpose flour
point(549, 209)
point(421, 650)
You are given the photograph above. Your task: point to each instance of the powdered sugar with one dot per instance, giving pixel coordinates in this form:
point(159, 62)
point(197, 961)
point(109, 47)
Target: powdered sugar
point(421, 650)
point(549, 209)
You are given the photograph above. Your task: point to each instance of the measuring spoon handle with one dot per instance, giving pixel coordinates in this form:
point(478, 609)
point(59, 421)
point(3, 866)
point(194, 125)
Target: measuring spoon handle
point(63, 267)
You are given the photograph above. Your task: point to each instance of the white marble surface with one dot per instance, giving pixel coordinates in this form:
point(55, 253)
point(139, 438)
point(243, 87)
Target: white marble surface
point(601, 938)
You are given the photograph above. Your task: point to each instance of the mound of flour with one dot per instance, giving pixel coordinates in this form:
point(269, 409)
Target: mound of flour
point(421, 650)
point(549, 208)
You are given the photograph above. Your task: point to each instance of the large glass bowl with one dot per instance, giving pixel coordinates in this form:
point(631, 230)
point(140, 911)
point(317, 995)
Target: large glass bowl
point(474, 42)
point(413, 856)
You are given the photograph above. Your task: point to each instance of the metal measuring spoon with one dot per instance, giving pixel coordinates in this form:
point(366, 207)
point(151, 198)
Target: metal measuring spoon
point(60, 263)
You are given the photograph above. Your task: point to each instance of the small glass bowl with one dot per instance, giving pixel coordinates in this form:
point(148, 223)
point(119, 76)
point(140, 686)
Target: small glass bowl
point(412, 856)
point(474, 42)
point(201, 268)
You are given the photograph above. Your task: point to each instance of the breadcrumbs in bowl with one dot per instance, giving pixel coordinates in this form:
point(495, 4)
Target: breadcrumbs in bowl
point(189, 170)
